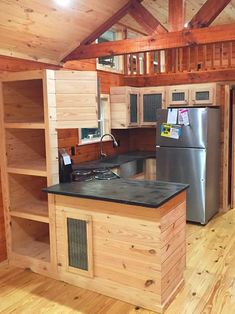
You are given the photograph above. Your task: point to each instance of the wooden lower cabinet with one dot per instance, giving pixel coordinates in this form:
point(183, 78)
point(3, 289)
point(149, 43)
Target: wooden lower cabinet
point(132, 253)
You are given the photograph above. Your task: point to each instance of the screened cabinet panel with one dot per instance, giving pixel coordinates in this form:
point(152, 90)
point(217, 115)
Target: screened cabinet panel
point(134, 108)
point(78, 234)
point(151, 103)
point(151, 100)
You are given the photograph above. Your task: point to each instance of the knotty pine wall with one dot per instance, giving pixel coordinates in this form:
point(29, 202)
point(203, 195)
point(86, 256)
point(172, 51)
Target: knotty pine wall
point(3, 254)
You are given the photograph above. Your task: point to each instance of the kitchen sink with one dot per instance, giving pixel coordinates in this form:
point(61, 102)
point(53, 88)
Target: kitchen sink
point(126, 165)
point(114, 159)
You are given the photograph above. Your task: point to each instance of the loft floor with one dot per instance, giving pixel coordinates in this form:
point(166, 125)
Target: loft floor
point(209, 281)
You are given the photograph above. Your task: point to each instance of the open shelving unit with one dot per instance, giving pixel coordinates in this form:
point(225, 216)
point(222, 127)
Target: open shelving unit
point(33, 105)
point(26, 156)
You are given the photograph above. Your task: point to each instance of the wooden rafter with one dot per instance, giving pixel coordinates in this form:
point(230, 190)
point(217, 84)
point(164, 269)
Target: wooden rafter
point(176, 15)
point(185, 38)
point(142, 16)
point(208, 13)
point(105, 26)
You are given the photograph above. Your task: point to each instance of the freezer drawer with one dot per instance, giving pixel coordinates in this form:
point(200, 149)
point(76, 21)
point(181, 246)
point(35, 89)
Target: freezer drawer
point(185, 165)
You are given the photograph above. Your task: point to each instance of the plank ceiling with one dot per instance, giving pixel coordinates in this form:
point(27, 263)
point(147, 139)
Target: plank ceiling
point(44, 31)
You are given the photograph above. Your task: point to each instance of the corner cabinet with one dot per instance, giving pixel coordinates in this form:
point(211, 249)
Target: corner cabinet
point(124, 107)
point(135, 107)
point(33, 105)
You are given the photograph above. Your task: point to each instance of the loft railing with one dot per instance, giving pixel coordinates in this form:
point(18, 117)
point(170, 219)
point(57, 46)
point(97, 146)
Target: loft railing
point(188, 59)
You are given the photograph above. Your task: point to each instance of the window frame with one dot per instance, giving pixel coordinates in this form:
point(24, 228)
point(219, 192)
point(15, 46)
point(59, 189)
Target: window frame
point(106, 122)
point(120, 69)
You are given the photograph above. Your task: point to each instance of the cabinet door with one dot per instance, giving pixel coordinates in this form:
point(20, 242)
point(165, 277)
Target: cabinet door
point(133, 109)
point(202, 96)
point(150, 102)
point(78, 244)
point(178, 96)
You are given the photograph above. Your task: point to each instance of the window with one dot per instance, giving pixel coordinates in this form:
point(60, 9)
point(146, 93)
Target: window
point(110, 63)
point(91, 135)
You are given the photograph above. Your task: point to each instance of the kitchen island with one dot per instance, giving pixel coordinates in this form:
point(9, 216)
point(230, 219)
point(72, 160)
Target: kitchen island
point(124, 239)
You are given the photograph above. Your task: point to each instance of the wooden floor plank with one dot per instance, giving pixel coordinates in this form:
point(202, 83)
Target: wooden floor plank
point(209, 281)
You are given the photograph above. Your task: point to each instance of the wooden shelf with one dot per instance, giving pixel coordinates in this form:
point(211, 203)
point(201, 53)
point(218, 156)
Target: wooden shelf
point(25, 125)
point(30, 238)
point(34, 168)
point(25, 149)
point(34, 210)
point(26, 198)
point(38, 249)
point(23, 101)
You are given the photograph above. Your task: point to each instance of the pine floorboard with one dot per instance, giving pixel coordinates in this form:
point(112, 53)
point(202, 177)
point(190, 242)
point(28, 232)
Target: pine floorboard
point(209, 281)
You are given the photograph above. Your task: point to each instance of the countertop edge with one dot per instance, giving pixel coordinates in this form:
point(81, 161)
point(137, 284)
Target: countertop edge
point(120, 201)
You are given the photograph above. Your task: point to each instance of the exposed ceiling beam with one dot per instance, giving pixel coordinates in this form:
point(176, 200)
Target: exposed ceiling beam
point(105, 26)
point(176, 15)
point(208, 13)
point(187, 37)
point(142, 16)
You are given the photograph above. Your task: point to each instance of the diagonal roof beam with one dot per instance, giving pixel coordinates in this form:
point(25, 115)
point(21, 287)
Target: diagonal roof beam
point(105, 26)
point(142, 16)
point(185, 38)
point(208, 13)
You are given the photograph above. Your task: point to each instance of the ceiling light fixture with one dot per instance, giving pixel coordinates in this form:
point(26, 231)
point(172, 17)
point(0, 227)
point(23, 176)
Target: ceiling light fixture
point(63, 3)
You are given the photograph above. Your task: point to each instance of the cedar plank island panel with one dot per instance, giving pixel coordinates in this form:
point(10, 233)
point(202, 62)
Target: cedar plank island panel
point(135, 253)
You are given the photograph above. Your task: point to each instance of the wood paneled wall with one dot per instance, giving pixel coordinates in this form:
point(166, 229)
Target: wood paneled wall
point(14, 64)
point(3, 254)
point(143, 139)
point(107, 79)
point(87, 152)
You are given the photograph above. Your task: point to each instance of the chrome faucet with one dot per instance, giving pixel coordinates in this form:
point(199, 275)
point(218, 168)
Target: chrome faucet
point(115, 143)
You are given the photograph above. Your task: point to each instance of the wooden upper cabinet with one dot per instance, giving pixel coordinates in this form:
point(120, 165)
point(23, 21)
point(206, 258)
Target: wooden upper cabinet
point(151, 99)
point(205, 94)
point(124, 107)
point(135, 107)
point(193, 95)
point(178, 95)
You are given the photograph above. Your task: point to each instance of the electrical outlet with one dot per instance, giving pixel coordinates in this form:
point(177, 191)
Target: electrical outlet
point(72, 150)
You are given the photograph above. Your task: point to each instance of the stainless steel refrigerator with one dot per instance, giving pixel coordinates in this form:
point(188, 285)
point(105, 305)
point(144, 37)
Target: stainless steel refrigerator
point(194, 159)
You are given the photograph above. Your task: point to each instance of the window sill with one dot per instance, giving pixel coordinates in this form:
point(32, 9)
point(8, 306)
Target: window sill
point(93, 141)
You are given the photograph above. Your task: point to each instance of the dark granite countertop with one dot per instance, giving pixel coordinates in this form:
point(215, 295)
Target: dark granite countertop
point(114, 161)
point(132, 192)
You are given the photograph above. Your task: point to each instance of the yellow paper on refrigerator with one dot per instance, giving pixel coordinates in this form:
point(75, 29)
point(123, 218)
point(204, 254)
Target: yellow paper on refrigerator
point(166, 129)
